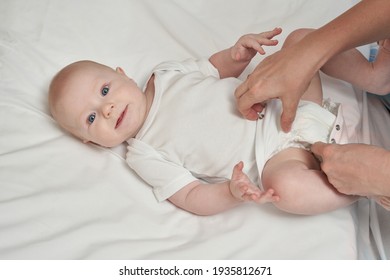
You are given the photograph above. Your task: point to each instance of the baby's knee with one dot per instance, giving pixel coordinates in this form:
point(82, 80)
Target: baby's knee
point(287, 188)
point(292, 193)
point(296, 36)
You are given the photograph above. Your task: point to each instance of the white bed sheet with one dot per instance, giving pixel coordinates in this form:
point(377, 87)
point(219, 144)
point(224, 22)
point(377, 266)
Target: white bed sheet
point(376, 129)
point(62, 199)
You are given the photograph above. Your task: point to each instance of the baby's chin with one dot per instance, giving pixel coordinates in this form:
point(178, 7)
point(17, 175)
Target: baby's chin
point(109, 144)
point(101, 144)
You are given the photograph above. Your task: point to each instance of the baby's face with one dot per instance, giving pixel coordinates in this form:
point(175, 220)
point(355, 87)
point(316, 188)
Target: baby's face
point(101, 105)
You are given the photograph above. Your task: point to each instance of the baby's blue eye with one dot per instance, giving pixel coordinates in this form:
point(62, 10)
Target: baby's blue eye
point(105, 90)
point(91, 118)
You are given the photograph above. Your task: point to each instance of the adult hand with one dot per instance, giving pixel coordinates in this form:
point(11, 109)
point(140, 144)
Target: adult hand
point(355, 169)
point(285, 75)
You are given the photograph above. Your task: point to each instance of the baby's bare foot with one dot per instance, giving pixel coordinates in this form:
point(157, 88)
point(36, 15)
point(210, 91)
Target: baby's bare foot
point(385, 45)
point(381, 66)
point(384, 201)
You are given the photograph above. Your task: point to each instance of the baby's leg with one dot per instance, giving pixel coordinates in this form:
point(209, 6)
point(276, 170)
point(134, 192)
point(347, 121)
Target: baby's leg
point(380, 77)
point(303, 188)
point(351, 66)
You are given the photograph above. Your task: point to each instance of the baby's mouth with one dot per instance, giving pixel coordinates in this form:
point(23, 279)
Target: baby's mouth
point(120, 119)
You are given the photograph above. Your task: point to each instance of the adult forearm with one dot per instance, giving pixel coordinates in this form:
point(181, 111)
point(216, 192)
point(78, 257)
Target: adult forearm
point(366, 22)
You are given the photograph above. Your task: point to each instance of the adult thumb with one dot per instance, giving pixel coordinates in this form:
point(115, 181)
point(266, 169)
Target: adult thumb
point(318, 150)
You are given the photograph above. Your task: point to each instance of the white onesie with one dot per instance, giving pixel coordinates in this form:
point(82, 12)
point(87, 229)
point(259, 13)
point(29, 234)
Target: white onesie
point(194, 131)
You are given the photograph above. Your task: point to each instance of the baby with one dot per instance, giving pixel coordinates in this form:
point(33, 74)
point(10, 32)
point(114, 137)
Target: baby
point(187, 140)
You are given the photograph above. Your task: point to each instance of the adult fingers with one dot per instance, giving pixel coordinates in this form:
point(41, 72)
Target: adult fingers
point(288, 115)
point(247, 105)
point(318, 148)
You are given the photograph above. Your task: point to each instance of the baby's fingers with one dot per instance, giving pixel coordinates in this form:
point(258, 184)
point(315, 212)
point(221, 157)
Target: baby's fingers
point(272, 33)
point(267, 196)
point(250, 197)
point(266, 38)
point(257, 41)
point(257, 44)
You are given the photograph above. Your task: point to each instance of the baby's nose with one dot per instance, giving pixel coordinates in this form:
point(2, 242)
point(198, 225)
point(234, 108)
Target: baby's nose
point(107, 109)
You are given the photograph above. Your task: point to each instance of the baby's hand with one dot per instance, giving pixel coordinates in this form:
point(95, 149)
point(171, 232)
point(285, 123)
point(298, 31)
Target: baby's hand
point(243, 189)
point(250, 44)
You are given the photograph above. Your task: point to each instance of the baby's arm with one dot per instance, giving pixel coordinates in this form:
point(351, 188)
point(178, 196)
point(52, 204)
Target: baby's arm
point(231, 62)
point(209, 199)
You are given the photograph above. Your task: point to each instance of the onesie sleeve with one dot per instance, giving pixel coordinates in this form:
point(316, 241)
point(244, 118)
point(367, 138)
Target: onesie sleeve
point(202, 65)
point(164, 176)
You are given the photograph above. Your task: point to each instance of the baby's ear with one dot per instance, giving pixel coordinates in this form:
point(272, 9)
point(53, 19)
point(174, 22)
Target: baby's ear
point(120, 70)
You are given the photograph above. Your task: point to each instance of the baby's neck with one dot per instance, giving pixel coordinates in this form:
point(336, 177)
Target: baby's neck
point(149, 94)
